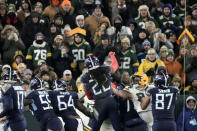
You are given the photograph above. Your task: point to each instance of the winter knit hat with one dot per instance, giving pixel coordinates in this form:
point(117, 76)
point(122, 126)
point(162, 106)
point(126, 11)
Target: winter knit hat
point(163, 48)
point(170, 52)
point(146, 42)
point(125, 40)
point(65, 2)
point(176, 78)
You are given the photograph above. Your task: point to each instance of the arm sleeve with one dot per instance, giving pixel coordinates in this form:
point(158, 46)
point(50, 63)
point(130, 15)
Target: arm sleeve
point(7, 105)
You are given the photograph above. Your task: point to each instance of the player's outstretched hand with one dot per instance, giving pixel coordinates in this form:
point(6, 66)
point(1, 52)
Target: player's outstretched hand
point(3, 119)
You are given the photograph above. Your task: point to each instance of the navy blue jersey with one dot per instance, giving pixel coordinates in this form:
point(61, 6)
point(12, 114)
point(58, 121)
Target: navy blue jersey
point(163, 102)
point(98, 91)
point(13, 106)
point(63, 102)
point(41, 106)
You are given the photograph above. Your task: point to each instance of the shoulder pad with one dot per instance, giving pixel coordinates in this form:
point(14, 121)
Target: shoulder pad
point(149, 87)
point(6, 88)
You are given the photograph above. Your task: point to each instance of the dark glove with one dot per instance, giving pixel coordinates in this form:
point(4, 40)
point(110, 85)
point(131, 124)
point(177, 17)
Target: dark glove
point(150, 72)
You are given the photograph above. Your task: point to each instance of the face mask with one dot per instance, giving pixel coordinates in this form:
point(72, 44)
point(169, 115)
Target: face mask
point(118, 26)
point(39, 41)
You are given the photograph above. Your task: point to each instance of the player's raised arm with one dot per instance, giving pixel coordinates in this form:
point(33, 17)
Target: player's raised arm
point(144, 102)
point(122, 93)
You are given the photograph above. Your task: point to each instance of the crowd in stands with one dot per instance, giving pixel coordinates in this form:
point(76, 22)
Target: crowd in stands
point(51, 39)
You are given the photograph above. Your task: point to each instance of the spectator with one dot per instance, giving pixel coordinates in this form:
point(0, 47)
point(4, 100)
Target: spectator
point(173, 66)
point(62, 56)
point(144, 16)
point(80, 50)
point(134, 29)
point(12, 43)
point(71, 83)
point(67, 12)
point(169, 21)
point(150, 65)
point(188, 116)
point(28, 75)
point(159, 40)
point(52, 9)
point(80, 22)
point(192, 20)
point(53, 31)
point(58, 20)
point(39, 50)
point(172, 37)
point(102, 51)
point(122, 10)
point(163, 53)
point(44, 67)
point(44, 19)
point(45, 76)
point(142, 55)
point(31, 28)
point(87, 8)
point(176, 81)
point(93, 21)
point(180, 9)
point(183, 54)
point(151, 30)
point(141, 37)
point(128, 58)
point(192, 88)
point(24, 11)
point(12, 18)
point(18, 58)
point(132, 8)
point(2, 14)
point(21, 70)
point(191, 63)
point(66, 35)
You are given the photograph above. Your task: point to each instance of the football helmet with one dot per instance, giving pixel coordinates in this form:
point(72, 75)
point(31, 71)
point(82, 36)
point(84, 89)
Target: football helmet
point(161, 81)
point(92, 62)
point(59, 85)
point(10, 76)
point(36, 83)
point(143, 78)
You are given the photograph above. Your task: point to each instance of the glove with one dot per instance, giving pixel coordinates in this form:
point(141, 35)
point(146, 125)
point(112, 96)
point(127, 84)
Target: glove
point(15, 37)
point(73, 65)
point(150, 72)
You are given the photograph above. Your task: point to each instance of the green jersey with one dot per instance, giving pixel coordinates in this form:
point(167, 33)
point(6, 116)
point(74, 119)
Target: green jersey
point(128, 60)
point(80, 51)
point(142, 22)
point(173, 20)
point(36, 53)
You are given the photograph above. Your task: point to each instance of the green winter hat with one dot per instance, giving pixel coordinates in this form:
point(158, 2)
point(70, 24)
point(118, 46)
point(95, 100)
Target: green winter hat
point(170, 52)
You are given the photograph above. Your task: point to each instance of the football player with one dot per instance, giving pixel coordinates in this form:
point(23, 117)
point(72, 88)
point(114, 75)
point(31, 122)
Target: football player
point(40, 105)
point(97, 84)
point(163, 100)
point(12, 99)
point(129, 116)
point(138, 92)
point(64, 103)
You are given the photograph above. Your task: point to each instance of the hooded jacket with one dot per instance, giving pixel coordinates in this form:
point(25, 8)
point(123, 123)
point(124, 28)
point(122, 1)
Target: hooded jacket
point(189, 117)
